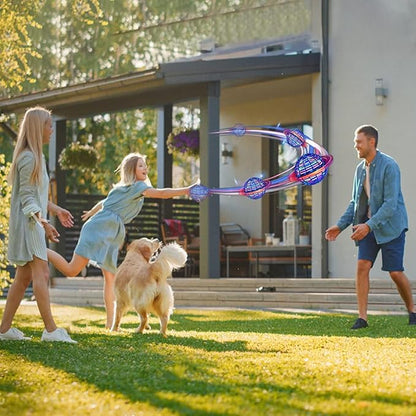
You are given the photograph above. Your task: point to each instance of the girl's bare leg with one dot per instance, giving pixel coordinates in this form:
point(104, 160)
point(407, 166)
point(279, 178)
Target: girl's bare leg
point(71, 269)
point(109, 297)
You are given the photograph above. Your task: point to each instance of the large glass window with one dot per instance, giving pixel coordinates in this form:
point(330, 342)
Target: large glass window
point(297, 200)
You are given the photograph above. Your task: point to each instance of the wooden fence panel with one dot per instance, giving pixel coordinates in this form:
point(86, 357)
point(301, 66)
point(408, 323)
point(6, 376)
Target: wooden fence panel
point(146, 224)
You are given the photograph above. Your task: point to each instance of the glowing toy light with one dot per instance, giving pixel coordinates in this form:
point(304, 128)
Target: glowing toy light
point(310, 168)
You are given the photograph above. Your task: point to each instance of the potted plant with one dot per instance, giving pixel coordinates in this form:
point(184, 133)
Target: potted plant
point(183, 141)
point(78, 156)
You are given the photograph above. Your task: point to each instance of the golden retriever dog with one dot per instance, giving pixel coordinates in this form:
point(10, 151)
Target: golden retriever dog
point(141, 281)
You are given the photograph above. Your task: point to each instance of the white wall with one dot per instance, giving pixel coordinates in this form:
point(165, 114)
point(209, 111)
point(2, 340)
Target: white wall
point(371, 39)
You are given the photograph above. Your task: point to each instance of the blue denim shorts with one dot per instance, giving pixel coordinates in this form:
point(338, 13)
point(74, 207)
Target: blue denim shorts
point(392, 252)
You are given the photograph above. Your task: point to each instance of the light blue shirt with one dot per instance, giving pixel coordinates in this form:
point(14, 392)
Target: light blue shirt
point(388, 211)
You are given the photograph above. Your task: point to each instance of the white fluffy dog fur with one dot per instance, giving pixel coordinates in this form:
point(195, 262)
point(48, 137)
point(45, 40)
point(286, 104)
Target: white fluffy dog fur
point(141, 282)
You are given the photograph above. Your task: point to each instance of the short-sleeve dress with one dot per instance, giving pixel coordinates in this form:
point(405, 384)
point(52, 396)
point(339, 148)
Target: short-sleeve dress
point(26, 236)
point(103, 234)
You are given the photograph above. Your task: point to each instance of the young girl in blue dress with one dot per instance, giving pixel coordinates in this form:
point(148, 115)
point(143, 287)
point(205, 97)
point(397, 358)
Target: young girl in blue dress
point(103, 234)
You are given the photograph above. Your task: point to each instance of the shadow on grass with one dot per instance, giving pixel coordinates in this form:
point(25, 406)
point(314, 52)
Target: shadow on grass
point(143, 370)
point(253, 321)
point(148, 368)
point(132, 367)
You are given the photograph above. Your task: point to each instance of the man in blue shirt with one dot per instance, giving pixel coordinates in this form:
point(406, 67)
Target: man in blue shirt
point(378, 215)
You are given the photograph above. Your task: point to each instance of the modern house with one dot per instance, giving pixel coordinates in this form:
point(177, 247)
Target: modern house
point(353, 66)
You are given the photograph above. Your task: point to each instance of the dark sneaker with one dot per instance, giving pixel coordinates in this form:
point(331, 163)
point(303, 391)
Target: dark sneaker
point(360, 323)
point(266, 289)
point(412, 318)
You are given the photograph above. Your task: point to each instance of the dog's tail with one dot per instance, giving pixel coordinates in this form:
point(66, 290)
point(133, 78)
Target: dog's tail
point(173, 255)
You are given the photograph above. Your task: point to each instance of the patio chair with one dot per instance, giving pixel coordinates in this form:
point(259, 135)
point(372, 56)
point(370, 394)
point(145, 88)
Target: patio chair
point(173, 230)
point(233, 234)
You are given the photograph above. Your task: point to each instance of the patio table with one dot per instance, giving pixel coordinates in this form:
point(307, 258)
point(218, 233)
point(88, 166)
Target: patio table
point(256, 249)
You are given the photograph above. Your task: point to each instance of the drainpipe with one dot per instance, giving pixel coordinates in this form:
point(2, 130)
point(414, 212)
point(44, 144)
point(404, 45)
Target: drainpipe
point(325, 129)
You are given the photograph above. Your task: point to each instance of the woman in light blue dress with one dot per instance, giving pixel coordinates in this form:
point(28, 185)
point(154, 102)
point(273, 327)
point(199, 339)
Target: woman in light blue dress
point(28, 227)
point(103, 234)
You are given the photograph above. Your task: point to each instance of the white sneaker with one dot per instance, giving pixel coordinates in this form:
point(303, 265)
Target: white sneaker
point(59, 335)
point(13, 334)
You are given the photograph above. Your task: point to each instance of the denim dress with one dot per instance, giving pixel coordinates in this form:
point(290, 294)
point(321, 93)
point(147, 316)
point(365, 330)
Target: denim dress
point(103, 234)
point(26, 236)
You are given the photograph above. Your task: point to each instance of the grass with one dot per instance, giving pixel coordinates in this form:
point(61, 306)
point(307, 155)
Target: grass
point(220, 362)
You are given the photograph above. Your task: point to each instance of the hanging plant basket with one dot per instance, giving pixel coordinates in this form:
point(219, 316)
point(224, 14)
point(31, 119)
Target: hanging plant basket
point(78, 156)
point(185, 142)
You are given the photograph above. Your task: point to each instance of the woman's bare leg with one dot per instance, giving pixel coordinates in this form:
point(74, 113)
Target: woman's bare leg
point(71, 269)
point(15, 295)
point(40, 274)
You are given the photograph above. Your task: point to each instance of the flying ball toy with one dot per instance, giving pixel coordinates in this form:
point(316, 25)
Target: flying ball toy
point(310, 168)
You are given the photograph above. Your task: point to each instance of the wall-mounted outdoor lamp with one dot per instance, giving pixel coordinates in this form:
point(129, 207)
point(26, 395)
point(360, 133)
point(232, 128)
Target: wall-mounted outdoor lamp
point(381, 92)
point(226, 154)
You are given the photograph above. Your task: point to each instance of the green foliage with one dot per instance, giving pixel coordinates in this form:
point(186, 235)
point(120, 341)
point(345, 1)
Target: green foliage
point(21, 30)
point(16, 47)
point(5, 192)
point(113, 136)
point(6, 138)
point(186, 164)
point(88, 11)
point(222, 362)
point(81, 40)
point(78, 156)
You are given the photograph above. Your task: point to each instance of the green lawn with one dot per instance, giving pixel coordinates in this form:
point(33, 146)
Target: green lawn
point(221, 362)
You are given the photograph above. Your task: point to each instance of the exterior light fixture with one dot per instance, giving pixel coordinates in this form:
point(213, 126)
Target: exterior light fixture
point(381, 92)
point(226, 154)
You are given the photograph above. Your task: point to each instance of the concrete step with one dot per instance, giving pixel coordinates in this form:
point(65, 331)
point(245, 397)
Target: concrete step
point(242, 284)
point(287, 300)
point(241, 293)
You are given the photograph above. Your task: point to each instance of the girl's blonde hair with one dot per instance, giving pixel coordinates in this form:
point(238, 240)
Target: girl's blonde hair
point(30, 137)
point(127, 168)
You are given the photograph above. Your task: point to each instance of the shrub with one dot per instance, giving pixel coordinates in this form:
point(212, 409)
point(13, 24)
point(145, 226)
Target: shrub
point(5, 192)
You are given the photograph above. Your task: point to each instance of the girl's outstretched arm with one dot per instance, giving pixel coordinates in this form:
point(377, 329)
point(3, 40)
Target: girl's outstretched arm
point(165, 193)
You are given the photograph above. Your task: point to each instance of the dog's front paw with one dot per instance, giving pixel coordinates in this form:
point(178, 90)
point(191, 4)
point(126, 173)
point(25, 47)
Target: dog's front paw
point(113, 329)
point(140, 329)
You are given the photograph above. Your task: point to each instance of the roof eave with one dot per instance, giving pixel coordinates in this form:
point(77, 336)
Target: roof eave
point(167, 84)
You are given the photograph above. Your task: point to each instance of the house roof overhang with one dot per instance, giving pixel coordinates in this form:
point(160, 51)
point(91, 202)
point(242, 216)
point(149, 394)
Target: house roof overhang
point(167, 84)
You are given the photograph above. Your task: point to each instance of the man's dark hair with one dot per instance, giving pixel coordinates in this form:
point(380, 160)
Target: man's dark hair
point(369, 131)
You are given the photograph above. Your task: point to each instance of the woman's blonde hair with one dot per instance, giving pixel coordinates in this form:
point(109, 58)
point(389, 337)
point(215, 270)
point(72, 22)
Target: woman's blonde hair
point(127, 168)
point(30, 137)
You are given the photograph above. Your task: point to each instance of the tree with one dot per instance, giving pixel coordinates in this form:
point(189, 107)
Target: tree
point(19, 22)
point(113, 136)
point(95, 39)
point(16, 47)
